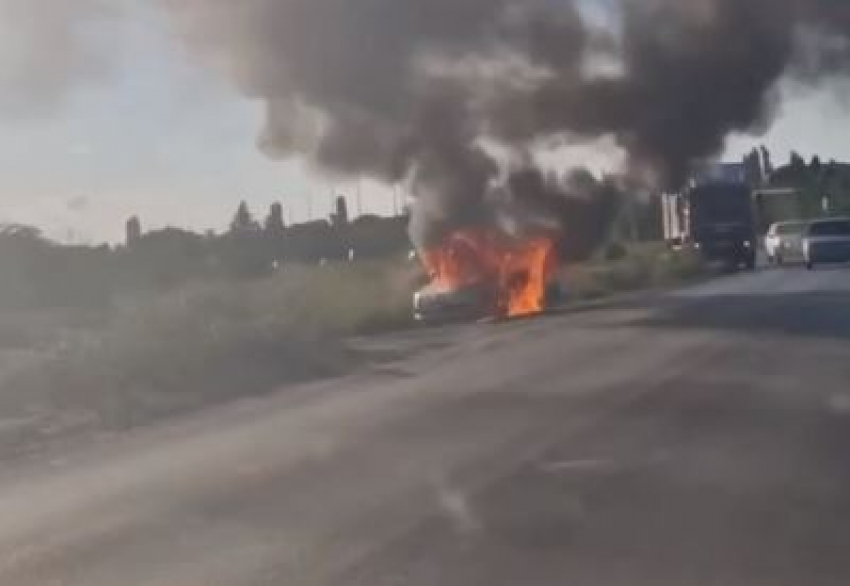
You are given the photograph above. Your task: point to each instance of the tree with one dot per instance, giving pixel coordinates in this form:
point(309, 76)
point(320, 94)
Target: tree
point(815, 165)
point(164, 258)
point(243, 222)
point(274, 224)
point(753, 168)
point(20, 232)
point(340, 217)
point(797, 162)
point(133, 231)
point(766, 162)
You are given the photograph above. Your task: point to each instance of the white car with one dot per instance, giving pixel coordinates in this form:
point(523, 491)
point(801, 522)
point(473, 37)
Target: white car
point(827, 241)
point(784, 242)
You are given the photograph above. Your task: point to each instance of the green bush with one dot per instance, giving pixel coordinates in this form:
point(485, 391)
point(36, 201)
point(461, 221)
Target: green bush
point(643, 266)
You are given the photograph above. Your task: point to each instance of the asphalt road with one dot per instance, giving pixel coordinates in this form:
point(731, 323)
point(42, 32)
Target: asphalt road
point(700, 437)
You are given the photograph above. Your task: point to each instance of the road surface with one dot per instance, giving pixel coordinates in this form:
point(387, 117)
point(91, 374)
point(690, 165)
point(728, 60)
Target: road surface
point(700, 437)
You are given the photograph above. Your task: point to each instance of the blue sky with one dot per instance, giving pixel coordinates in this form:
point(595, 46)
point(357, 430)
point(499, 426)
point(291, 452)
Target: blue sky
point(160, 136)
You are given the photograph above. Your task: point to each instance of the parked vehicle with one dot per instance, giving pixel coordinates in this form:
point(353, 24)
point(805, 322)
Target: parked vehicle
point(827, 241)
point(716, 218)
point(784, 242)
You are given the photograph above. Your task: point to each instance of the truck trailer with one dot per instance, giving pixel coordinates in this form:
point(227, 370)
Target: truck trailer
point(716, 218)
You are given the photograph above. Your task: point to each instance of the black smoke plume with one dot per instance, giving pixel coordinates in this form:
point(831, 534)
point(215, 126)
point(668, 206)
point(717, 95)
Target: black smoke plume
point(429, 91)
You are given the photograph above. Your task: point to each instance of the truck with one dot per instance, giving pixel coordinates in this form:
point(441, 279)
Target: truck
point(714, 215)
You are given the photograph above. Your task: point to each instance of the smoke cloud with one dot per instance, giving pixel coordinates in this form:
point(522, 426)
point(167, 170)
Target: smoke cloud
point(454, 97)
point(422, 90)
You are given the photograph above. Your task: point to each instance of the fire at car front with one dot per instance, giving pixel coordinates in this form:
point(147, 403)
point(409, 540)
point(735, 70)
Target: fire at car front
point(477, 274)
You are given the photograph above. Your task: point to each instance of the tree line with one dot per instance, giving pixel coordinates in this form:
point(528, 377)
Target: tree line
point(799, 189)
point(37, 272)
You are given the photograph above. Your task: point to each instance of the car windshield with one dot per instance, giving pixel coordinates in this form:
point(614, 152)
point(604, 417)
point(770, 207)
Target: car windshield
point(424, 293)
point(832, 228)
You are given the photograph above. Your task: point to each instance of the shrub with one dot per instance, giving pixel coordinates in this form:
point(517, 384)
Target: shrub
point(643, 266)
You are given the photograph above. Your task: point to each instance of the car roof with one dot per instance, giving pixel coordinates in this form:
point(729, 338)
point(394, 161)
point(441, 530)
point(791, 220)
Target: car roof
point(830, 220)
point(790, 224)
point(780, 228)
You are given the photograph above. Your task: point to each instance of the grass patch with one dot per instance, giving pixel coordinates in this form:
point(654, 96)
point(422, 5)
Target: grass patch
point(149, 356)
point(208, 342)
point(637, 267)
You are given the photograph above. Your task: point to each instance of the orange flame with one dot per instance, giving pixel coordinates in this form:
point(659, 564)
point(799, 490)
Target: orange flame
point(517, 272)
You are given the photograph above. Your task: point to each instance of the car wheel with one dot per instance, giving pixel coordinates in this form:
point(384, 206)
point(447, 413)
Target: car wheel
point(810, 265)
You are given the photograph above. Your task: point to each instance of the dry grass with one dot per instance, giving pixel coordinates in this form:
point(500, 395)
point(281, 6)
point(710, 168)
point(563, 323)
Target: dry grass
point(208, 342)
point(644, 266)
point(150, 356)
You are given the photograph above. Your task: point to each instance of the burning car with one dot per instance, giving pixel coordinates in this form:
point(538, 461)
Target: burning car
point(433, 303)
point(476, 274)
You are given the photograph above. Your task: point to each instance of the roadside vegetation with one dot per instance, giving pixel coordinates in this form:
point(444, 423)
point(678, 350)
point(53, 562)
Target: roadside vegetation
point(146, 355)
point(620, 268)
point(151, 355)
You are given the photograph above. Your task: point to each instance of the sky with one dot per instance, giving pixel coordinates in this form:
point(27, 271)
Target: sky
point(156, 134)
